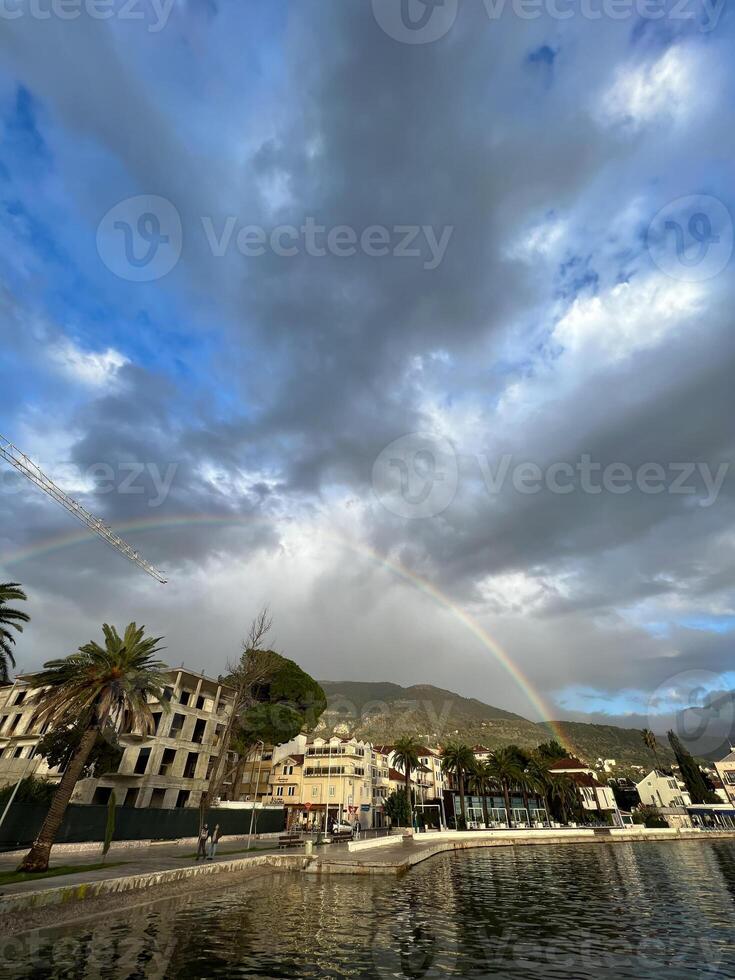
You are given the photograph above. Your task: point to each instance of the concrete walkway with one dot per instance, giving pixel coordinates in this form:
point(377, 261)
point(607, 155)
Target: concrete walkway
point(132, 860)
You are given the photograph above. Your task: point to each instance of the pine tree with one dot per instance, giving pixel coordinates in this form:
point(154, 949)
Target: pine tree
point(691, 773)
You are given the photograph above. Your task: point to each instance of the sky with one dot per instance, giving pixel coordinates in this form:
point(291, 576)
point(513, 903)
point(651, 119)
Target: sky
point(411, 321)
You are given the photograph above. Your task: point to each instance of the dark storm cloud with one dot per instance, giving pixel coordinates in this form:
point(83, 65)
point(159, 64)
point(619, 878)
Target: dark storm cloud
point(333, 358)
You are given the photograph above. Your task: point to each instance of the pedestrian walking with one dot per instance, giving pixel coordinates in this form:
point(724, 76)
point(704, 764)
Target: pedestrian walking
point(202, 842)
point(214, 841)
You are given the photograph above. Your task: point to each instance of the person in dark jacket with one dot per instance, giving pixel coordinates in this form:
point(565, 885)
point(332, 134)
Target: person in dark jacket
point(202, 842)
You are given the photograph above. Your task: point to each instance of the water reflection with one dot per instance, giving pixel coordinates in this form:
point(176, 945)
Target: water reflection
point(622, 910)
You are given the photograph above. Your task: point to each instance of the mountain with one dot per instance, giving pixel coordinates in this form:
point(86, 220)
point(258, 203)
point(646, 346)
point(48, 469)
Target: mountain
point(381, 712)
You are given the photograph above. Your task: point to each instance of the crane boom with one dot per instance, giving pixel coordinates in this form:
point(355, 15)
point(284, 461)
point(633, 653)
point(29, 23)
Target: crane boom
point(35, 474)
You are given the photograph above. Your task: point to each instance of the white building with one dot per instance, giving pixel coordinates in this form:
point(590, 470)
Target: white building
point(726, 771)
point(662, 790)
point(592, 793)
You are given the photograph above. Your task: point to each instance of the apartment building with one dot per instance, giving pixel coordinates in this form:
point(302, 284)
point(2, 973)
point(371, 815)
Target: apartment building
point(320, 780)
point(169, 769)
point(253, 782)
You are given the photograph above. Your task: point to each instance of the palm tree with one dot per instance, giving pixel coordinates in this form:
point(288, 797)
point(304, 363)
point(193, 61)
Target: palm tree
point(459, 759)
point(479, 783)
point(564, 791)
point(10, 619)
point(537, 771)
point(406, 757)
point(649, 740)
point(505, 771)
point(104, 687)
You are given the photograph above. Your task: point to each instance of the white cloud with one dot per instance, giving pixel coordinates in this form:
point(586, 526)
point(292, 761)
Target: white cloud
point(630, 317)
point(89, 368)
point(663, 88)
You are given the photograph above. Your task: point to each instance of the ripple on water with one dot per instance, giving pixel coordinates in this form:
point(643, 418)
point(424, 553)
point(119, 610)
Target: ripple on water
point(617, 910)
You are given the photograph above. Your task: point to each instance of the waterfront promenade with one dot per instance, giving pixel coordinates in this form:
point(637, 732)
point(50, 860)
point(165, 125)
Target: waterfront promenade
point(138, 874)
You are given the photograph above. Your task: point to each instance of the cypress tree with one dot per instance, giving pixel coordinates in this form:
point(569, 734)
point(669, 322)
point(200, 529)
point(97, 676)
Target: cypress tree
point(690, 773)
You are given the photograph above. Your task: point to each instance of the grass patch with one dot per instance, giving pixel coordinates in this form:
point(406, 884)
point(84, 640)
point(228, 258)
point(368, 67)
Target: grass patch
point(12, 877)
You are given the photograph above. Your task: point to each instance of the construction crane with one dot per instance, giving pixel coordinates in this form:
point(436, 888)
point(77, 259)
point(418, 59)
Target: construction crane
point(35, 474)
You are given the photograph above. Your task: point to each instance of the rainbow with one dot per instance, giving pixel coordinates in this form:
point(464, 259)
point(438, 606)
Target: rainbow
point(499, 654)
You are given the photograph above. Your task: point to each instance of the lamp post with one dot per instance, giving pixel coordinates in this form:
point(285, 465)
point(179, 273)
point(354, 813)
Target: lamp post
point(257, 787)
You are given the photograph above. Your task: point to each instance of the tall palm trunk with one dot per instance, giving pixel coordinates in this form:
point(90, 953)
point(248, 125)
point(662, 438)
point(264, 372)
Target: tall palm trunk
point(460, 780)
point(36, 860)
point(506, 797)
point(485, 815)
point(408, 796)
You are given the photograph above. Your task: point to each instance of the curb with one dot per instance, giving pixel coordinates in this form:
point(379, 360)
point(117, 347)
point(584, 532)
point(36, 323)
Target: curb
point(82, 891)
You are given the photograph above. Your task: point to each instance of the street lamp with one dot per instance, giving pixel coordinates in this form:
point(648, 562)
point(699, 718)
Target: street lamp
point(257, 787)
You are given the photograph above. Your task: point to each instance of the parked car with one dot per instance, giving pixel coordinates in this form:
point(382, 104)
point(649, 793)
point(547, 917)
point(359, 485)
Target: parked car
point(339, 828)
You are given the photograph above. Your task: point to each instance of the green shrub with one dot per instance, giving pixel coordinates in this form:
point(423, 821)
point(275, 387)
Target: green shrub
point(31, 791)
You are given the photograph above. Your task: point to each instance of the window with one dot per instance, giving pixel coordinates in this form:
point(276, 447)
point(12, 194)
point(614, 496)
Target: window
point(191, 765)
point(102, 795)
point(200, 704)
point(156, 720)
point(131, 797)
point(288, 770)
point(184, 697)
point(291, 791)
point(177, 723)
point(12, 724)
point(314, 792)
point(199, 729)
point(332, 790)
point(183, 798)
point(141, 762)
point(279, 790)
point(167, 760)
point(18, 753)
point(21, 697)
point(158, 798)
point(168, 693)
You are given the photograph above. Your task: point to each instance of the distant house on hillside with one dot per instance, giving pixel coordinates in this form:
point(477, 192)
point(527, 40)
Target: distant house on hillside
point(661, 789)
